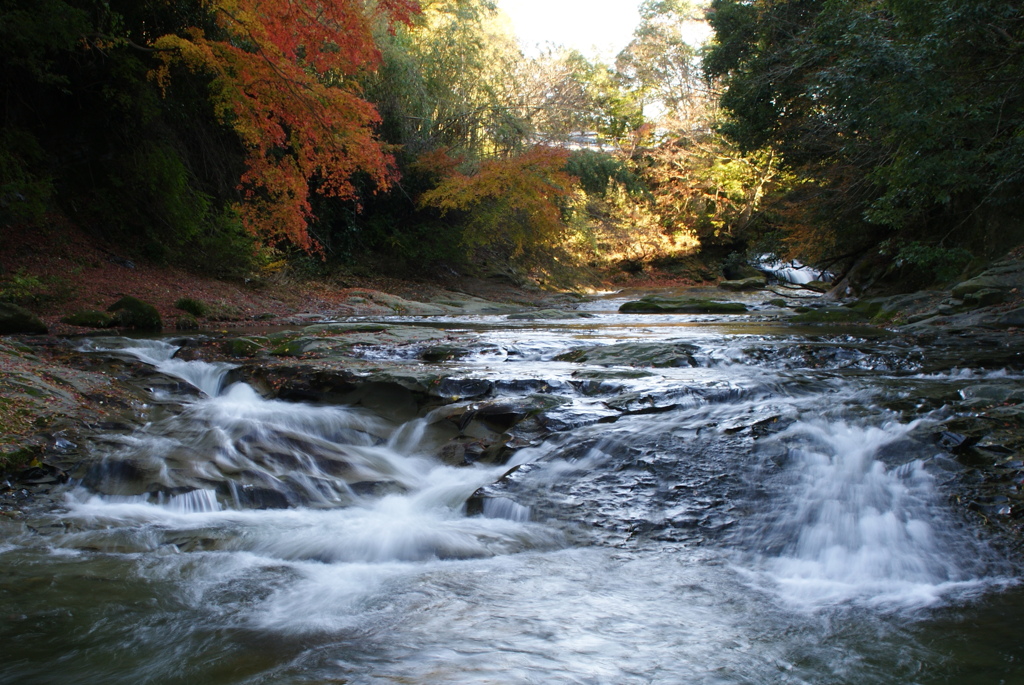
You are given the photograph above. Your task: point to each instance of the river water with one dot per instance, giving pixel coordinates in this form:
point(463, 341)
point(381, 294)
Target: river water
point(772, 512)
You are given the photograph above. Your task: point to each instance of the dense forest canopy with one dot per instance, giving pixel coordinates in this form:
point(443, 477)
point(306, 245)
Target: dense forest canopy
point(223, 134)
point(902, 121)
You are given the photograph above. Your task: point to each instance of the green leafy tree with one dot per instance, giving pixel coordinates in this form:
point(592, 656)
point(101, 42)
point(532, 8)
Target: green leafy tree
point(448, 80)
point(566, 94)
point(659, 66)
point(905, 120)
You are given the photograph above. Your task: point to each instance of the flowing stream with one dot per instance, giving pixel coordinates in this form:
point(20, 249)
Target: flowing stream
point(770, 513)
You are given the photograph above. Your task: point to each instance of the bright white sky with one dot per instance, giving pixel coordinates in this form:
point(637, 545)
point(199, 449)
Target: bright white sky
point(597, 28)
point(594, 27)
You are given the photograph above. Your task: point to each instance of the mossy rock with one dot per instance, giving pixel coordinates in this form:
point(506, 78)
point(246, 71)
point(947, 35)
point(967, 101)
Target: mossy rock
point(245, 347)
point(196, 308)
point(868, 308)
point(131, 312)
point(636, 354)
point(985, 297)
point(89, 318)
point(16, 319)
point(187, 322)
point(752, 283)
point(817, 286)
point(17, 459)
point(879, 310)
point(279, 337)
point(654, 304)
point(295, 347)
point(830, 315)
point(741, 272)
point(777, 302)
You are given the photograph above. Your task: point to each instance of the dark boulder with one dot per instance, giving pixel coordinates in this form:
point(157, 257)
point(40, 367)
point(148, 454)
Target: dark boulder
point(739, 272)
point(89, 318)
point(131, 312)
point(15, 319)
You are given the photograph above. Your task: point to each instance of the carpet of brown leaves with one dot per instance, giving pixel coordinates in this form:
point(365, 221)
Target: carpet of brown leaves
point(72, 271)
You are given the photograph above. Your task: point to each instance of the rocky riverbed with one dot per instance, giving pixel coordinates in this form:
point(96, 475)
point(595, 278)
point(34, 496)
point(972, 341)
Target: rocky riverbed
point(58, 398)
point(570, 491)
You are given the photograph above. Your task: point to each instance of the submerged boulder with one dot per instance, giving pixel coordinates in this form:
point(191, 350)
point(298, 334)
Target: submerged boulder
point(444, 353)
point(830, 315)
point(638, 354)
point(549, 314)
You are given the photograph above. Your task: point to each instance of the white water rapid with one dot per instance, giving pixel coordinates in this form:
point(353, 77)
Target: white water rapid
point(854, 529)
point(735, 521)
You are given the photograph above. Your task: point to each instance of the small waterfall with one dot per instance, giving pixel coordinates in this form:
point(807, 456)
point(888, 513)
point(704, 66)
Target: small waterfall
point(851, 528)
point(504, 508)
point(792, 272)
point(409, 436)
point(328, 483)
point(206, 376)
point(193, 502)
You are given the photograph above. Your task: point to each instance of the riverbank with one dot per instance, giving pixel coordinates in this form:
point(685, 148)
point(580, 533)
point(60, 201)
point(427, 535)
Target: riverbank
point(63, 271)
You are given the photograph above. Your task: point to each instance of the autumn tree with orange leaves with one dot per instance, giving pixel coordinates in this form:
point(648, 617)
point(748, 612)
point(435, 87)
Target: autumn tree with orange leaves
point(283, 78)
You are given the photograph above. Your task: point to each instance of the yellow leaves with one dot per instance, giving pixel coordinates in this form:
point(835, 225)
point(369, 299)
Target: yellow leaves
point(513, 200)
point(625, 227)
point(704, 184)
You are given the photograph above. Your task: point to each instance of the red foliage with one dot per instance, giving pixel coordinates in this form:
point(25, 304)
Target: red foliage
point(438, 162)
point(283, 80)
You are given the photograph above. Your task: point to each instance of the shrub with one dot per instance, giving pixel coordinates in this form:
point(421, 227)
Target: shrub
point(21, 288)
point(943, 263)
point(196, 308)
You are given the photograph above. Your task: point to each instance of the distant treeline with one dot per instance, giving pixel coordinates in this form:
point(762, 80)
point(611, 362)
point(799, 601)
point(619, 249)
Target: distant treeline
point(229, 134)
